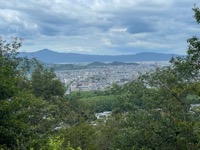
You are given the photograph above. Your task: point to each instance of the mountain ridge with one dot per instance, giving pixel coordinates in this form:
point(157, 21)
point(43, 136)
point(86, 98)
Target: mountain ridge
point(50, 56)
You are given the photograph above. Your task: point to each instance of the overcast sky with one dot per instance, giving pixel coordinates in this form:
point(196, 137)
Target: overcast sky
point(100, 26)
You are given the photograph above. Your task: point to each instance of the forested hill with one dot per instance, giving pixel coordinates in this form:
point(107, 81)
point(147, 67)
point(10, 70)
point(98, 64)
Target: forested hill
point(49, 56)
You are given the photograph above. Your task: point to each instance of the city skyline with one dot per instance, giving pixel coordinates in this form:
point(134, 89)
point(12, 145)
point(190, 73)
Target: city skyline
point(100, 27)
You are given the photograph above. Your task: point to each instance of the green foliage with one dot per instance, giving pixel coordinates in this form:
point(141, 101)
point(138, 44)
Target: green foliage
point(11, 68)
point(80, 135)
point(196, 14)
point(45, 84)
point(22, 120)
point(7, 83)
point(56, 143)
point(100, 103)
point(26, 120)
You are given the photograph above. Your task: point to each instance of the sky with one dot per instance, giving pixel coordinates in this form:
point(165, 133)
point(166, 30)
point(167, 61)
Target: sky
point(103, 27)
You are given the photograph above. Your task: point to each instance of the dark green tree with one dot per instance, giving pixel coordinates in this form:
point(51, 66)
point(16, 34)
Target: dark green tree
point(45, 83)
point(26, 119)
point(18, 107)
point(8, 67)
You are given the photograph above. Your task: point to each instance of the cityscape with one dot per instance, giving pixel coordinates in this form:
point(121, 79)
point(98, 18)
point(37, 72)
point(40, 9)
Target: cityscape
point(102, 77)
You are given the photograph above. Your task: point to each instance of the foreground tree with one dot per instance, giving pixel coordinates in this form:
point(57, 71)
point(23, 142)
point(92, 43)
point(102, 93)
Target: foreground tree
point(8, 68)
point(45, 83)
point(26, 118)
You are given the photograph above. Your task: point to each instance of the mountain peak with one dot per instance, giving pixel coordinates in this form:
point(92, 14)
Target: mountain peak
point(45, 51)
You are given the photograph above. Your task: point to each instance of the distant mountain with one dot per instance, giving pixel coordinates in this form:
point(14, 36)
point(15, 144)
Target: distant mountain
point(49, 56)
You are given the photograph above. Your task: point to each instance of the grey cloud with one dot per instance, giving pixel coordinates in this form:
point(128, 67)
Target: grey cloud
point(49, 30)
point(140, 27)
point(82, 18)
point(51, 20)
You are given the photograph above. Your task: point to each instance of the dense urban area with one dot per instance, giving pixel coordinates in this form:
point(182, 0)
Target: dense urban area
point(102, 77)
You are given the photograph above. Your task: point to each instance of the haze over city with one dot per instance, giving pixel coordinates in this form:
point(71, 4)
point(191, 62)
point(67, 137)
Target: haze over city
point(100, 26)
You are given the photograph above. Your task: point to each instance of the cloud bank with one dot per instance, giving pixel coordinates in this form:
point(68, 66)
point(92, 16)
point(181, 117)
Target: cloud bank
point(100, 26)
